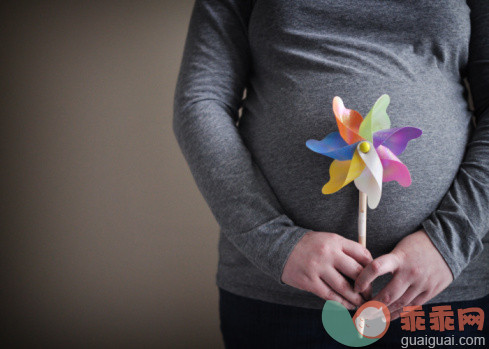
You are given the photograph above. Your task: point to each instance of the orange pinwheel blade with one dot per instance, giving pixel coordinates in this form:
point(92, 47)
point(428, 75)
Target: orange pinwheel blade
point(348, 121)
point(343, 172)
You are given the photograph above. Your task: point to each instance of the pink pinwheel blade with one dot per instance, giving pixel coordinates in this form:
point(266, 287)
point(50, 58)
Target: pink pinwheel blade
point(394, 169)
point(396, 139)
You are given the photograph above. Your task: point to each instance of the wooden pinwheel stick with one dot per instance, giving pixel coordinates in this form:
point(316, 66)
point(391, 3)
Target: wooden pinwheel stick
point(362, 219)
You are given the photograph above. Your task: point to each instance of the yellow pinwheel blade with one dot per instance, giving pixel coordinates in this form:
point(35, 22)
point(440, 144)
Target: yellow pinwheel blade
point(343, 172)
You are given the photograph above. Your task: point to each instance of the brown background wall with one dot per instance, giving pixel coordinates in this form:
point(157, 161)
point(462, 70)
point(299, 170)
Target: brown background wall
point(105, 239)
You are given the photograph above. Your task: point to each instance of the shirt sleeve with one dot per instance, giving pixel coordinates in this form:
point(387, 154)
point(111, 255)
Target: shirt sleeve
point(462, 218)
point(213, 74)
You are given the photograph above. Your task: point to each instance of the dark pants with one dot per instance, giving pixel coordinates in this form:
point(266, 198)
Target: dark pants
point(249, 323)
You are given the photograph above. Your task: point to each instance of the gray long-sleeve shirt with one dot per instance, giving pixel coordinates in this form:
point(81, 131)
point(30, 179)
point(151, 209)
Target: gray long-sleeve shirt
point(261, 182)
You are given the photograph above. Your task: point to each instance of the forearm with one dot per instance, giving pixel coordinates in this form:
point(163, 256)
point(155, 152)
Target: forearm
point(462, 218)
point(233, 186)
point(213, 74)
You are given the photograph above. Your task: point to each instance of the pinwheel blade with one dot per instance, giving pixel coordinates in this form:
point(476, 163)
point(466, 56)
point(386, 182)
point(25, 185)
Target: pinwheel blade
point(396, 139)
point(370, 180)
point(394, 169)
point(348, 121)
point(333, 146)
point(376, 119)
point(342, 173)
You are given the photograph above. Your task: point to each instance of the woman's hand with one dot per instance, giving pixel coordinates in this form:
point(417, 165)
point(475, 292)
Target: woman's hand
point(419, 273)
point(319, 263)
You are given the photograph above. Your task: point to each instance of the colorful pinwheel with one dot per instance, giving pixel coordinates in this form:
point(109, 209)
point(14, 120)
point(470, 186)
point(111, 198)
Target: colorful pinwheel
point(350, 147)
point(365, 150)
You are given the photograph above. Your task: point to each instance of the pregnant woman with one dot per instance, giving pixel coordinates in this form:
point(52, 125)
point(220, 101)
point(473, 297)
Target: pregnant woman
point(285, 248)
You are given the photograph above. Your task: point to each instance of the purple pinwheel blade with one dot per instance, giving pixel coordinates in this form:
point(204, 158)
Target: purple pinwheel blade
point(396, 139)
point(333, 146)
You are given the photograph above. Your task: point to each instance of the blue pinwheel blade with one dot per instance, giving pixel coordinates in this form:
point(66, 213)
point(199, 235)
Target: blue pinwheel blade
point(333, 146)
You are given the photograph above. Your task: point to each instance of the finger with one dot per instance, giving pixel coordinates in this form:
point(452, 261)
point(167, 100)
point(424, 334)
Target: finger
point(357, 252)
point(421, 299)
point(393, 290)
point(339, 284)
point(407, 298)
point(384, 264)
point(367, 294)
point(319, 288)
point(348, 266)
point(396, 314)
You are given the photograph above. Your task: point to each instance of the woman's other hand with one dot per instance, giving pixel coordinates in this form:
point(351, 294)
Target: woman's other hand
point(419, 273)
point(319, 263)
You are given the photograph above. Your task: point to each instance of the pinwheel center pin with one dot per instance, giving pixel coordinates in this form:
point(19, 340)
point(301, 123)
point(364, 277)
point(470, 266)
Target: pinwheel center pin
point(364, 147)
point(365, 151)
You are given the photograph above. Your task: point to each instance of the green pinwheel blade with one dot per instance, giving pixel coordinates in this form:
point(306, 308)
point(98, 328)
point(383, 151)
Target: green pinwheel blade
point(376, 119)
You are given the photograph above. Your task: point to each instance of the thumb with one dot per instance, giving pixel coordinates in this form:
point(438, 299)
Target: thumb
point(384, 264)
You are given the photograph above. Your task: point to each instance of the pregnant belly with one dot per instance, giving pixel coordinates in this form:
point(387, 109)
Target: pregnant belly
point(277, 122)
